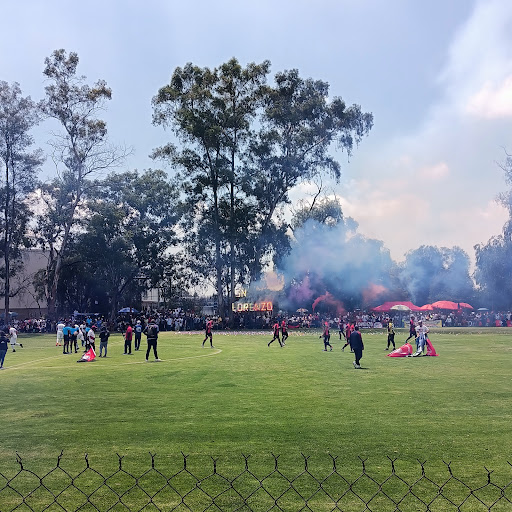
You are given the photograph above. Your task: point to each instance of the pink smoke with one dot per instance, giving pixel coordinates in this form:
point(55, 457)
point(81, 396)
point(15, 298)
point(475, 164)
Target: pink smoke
point(372, 292)
point(302, 293)
point(331, 301)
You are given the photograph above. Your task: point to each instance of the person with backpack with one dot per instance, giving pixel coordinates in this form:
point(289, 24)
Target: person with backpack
point(151, 331)
point(138, 334)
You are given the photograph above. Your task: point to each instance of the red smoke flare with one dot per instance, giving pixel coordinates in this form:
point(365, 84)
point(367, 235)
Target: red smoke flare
point(330, 300)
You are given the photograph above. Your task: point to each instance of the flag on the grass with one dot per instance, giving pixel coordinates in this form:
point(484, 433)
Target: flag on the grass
point(403, 351)
point(88, 356)
point(431, 351)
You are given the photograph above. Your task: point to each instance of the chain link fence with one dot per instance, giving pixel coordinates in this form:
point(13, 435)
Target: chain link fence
point(249, 488)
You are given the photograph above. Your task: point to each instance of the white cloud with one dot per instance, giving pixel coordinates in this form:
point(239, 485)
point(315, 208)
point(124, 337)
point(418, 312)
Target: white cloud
point(492, 101)
point(437, 184)
point(434, 172)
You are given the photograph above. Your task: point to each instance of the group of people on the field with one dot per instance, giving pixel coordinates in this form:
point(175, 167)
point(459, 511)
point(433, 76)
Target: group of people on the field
point(71, 336)
point(279, 329)
point(352, 334)
point(420, 334)
point(74, 337)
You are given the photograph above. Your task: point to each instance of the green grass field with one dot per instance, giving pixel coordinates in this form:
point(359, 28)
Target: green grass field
point(245, 398)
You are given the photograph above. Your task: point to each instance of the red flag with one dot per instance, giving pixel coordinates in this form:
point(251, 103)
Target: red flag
point(90, 355)
point(403, 351)
point(431, 351)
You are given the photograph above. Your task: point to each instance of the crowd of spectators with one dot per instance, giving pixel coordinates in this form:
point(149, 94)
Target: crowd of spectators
point(180, 320)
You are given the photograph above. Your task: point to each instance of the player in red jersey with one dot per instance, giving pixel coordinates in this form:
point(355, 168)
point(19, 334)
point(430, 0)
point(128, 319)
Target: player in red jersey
point(327, 336)
point(284, 331)
point(208, 332)
point(348, 331)
point(276, 335)
point(412, 329)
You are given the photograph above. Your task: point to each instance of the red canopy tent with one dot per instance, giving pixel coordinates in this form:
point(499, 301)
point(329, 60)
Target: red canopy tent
point(386, 307)
point(445, 304)
point(427, 307)
point(465, 305)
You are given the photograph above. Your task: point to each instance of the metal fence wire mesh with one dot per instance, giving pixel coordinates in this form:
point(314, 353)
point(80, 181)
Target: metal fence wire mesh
point(249, 489)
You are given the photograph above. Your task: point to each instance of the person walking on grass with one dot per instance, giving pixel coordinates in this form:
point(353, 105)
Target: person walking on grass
point(327, 337)
point(208, 332)
point(91, 338)
point(128, 335)
point(391, 334)
point(13, 336)
point(3, 348)
point(276, 335)
point(60, 333)
point(151, 332)
point(67, 337)
point(412, 329)
point(349, 328)
point(421, 338)
point(284, 331)
point(356, 344)
point(138, 334)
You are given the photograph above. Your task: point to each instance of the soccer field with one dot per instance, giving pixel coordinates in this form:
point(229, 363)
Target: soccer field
point(245, 397)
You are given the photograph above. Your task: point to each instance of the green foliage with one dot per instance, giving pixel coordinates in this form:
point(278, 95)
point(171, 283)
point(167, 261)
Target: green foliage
point(80, 151)
point(124, 244)
point(18, 115)
point(245, 146)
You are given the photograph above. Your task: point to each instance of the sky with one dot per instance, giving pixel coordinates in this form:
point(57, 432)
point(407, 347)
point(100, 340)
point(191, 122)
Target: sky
point(436, 75)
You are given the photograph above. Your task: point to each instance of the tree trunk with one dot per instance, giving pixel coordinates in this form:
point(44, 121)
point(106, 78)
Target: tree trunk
point(7, 288)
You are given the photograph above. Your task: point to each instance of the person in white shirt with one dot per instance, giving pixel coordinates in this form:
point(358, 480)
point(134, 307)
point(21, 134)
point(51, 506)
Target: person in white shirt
point(421, 334)
point(13, 336)
point(80, 335)
point(60, 333)
point(91, 338)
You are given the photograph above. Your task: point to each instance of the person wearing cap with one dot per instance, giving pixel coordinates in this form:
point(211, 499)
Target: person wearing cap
point(421, 338)
point(3, 348)
point(138, 334)
point(356, 344)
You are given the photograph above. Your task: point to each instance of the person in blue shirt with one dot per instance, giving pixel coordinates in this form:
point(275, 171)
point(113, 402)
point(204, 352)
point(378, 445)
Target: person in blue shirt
point(67, 337)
